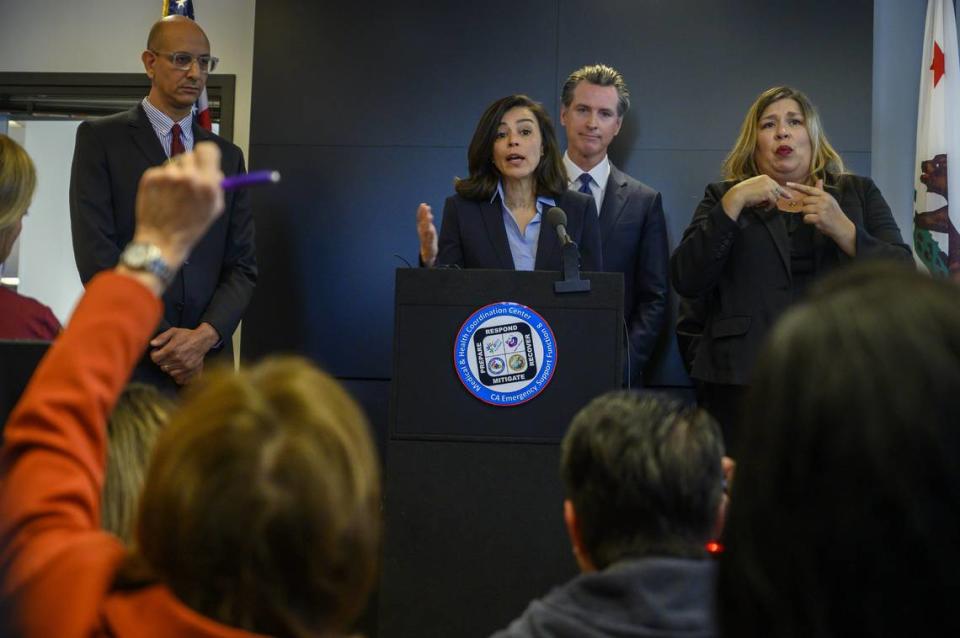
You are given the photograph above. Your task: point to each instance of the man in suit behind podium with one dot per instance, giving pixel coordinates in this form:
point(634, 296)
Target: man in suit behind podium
point(207, 297)
point(633, 230)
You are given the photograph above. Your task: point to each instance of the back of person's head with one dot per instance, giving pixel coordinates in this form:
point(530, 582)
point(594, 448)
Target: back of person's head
point(845, 514)
point(643, 472)
point(261, 505)
point(18, 180)
point(139, 416)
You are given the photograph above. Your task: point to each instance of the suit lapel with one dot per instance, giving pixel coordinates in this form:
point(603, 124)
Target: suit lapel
point(778, 231)
point(145, 137)
point(614, 199)
point(200, 134)
point(492, 216)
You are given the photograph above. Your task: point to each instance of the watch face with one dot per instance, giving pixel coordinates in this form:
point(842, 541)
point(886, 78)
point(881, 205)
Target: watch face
point(146, 257)
point(135, 256)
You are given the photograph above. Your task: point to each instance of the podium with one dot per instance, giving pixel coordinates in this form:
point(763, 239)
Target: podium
point(489, 368)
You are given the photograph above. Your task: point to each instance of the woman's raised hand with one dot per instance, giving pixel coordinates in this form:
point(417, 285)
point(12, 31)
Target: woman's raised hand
point(428, 235)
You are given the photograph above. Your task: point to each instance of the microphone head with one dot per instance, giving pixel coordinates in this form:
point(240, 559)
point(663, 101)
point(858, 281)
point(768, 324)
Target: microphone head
point(556, 216)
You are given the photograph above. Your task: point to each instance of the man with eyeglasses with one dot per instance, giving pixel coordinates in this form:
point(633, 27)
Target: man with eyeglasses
point(208, 296)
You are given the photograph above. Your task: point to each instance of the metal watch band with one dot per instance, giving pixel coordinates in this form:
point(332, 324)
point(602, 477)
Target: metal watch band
point(146, 258)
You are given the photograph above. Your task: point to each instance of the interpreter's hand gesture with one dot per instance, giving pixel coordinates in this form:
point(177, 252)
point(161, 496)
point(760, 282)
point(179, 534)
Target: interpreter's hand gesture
point(761, 190)
point(428, 235)
point(822, 211)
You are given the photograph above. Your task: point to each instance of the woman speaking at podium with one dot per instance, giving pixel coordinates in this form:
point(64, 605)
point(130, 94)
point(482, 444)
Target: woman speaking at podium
point(496, 219)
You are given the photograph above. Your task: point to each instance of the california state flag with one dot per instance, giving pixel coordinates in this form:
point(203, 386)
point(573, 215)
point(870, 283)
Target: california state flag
point(935, 222)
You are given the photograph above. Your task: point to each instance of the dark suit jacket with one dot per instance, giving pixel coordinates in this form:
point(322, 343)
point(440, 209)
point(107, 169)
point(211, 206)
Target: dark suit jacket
point(216, 282)
point(472, 234)
point(740, 271)
point(633, 232)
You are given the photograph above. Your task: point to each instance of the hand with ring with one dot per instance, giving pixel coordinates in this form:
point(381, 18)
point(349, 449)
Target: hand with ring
point(760, 190)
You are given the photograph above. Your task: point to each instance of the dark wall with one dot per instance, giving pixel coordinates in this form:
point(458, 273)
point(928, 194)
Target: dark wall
point(367, 107)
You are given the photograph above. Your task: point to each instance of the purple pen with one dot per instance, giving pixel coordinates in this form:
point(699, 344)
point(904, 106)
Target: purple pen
point(249, 179)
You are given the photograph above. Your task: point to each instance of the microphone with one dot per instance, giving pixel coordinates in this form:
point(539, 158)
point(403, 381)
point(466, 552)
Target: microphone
point(558, 219)
point(569, 255)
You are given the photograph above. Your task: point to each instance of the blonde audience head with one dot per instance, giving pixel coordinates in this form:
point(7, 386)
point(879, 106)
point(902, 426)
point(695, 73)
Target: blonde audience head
point(261, 505)
point(18, 180)
point(132, 430)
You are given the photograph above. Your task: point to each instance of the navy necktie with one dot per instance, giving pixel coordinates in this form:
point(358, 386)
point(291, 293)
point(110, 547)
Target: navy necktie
point(585, 184)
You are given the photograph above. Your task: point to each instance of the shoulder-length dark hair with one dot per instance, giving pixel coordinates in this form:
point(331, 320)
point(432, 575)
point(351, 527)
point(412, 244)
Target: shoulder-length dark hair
point(481, 184)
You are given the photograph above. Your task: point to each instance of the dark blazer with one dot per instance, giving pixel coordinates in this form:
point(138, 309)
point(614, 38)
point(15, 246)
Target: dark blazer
point(740, 271)
point(215, 284)
point(633, 232)
point(472, 234)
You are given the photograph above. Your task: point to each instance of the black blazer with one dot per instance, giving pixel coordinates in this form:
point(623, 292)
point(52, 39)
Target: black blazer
point(472, 234)
point(739, 272)
point(633, 233)
point(216, 282)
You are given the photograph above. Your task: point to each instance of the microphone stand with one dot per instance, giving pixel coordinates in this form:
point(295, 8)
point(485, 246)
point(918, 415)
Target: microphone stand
point(570, 266)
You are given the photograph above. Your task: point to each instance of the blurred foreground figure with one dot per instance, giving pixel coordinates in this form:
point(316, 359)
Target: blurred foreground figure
point(846, 510)
point(644, 494)
point(260, 510)
point(20, 317)
point(140, 415)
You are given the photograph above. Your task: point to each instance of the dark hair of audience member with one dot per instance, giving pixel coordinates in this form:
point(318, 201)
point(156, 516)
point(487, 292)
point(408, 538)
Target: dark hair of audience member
point(261, 504)
point(139, 416)
point(481, 184)
point(844, 517)
point(644, 474)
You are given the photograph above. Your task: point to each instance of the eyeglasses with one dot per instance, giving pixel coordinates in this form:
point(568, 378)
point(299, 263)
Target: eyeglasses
point(183, 61)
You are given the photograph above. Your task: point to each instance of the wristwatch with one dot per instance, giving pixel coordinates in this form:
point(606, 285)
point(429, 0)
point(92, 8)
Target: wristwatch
point(146, 258)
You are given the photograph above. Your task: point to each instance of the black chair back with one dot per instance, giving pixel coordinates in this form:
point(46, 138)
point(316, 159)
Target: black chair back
point(18, 360)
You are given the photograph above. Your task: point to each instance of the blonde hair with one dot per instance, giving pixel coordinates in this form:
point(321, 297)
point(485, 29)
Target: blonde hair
point(132, 430)
point(261, 508)
point(741, 164)
point(18, 180)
